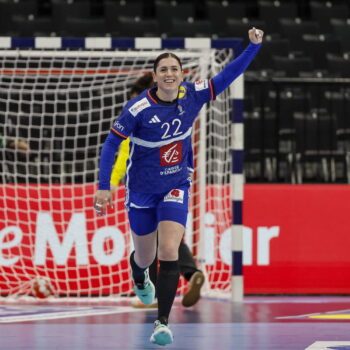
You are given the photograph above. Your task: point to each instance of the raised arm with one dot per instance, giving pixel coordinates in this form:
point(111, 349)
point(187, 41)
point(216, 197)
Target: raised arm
point(235, 68)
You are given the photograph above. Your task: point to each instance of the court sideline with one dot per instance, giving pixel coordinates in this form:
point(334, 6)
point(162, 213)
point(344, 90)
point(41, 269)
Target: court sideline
point(259, 323)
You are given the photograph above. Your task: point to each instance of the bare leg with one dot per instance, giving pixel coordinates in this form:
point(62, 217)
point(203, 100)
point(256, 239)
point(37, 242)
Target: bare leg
point(170, 235)
point(145, 248)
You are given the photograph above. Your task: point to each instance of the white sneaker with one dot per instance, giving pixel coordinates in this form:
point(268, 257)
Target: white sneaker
point(162, 334)
point(145, 291)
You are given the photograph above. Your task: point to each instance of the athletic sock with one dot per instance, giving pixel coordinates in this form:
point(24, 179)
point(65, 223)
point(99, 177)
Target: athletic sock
point(138, 273)
point(153, 272)
point(167, 281)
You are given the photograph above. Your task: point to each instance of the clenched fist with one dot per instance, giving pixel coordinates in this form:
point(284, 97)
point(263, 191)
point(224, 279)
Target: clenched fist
point(255, 35)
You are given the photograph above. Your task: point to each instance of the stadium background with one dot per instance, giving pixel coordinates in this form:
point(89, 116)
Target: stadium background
point(296, 110)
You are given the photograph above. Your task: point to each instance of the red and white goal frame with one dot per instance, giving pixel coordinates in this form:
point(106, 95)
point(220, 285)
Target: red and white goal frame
point(61, 95)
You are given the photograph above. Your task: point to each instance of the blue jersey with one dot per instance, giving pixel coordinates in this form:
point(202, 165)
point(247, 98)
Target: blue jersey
point(160, 133)
point(160, 137)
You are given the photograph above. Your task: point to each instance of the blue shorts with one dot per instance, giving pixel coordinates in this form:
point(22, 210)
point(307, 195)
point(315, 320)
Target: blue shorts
point(147, 210)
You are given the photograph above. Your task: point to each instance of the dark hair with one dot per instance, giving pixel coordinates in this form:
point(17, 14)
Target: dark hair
point(165, 55)
point(142, 83)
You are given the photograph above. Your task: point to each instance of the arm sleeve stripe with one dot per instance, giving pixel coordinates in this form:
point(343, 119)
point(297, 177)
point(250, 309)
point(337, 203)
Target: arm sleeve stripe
point(119, 134)
point(212, 91)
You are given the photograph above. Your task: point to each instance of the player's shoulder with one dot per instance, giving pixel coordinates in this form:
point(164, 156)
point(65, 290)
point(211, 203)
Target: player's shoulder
point(138, 103)
point(198, 85)
point(185, 87)
point(202, 84)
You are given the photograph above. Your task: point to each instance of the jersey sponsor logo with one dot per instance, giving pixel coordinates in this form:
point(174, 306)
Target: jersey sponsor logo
point(201, 85)
point(171, 170)
point(154, 119)
point(175, 196)
point(137, 107)
point(171, 154)
point(182, 92)
point(118, 126)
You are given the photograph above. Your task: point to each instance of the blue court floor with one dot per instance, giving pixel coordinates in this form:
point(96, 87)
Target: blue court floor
point(259, 323)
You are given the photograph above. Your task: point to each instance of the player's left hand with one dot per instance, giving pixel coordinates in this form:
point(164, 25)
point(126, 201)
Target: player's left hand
point(256, 35)
point(101, 200)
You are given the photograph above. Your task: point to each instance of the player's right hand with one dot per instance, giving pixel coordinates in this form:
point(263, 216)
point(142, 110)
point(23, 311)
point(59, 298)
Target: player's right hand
point(101, 200)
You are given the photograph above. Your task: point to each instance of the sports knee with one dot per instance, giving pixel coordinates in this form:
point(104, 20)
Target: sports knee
point(144, 261)
point(168, 252)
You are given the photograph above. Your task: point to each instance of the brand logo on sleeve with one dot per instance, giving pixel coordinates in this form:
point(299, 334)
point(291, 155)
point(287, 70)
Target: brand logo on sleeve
point(137, 107)
point(175, 196)
point(118, 126)
point(201, 84)
point(171, 154)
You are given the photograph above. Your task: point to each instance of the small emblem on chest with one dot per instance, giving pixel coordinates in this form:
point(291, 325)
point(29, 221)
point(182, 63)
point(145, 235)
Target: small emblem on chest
point(171, 154)
point(181, 110)
point(154, 119)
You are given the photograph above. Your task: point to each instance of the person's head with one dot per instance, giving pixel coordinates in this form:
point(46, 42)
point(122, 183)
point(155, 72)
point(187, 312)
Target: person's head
point(167, 72)
point(142, 83)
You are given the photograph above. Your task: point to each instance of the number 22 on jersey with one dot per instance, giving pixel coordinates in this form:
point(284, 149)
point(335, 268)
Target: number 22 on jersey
point(171, 129)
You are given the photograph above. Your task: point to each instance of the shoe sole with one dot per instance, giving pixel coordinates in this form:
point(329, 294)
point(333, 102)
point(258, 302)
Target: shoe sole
point(143, 306)
point(194, 292)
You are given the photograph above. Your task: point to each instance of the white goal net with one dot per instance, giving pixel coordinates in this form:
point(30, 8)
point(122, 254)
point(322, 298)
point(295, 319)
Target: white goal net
point(56, 108)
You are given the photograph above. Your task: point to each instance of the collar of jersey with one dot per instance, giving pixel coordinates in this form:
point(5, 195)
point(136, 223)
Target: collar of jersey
point(153, 96)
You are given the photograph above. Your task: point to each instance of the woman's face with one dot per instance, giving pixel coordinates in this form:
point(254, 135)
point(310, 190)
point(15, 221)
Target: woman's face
point(168, 75)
